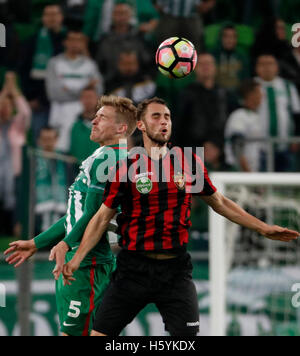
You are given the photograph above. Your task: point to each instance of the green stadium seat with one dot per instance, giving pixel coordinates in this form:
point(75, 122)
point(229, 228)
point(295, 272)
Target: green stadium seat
point(212, 35)
point(246, 37)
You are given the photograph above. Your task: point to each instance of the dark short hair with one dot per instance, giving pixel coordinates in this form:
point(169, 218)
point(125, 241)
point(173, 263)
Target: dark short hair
point(53, 4)
point(265, 54)
point(229, 26)
point(247, 87)
point(49, 128)
point(142, 107)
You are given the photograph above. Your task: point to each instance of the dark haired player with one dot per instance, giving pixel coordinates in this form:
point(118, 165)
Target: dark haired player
point(153, 265)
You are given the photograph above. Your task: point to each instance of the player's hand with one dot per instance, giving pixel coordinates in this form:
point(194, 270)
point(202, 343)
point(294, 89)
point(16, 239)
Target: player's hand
point(20, 252)
point(58, 253)
point(278, 233)
point(68, 271)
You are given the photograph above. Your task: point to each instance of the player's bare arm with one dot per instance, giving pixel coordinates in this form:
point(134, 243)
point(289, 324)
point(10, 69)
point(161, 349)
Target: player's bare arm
point(236, 214)
point(93, 234)
point(20, 252)
point(58, 254)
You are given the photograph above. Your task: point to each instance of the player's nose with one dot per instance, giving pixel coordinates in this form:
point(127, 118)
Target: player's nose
point(95, 121)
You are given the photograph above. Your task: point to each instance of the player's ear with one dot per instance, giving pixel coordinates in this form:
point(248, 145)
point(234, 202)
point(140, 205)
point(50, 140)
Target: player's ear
point(122, 129)
point(141, 125)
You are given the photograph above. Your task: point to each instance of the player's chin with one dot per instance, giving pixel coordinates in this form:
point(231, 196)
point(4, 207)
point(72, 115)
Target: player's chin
point(94, 137)
point(162, 140)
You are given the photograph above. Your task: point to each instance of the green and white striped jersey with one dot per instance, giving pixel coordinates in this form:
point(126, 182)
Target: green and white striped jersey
point(92, 178)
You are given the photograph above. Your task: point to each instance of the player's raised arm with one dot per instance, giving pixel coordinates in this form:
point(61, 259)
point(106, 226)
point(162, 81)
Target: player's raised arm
point(236, 214)
point(93, 234)
point(20, 251)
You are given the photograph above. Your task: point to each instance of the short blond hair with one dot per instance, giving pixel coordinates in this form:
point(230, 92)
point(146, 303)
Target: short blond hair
point(125, 109)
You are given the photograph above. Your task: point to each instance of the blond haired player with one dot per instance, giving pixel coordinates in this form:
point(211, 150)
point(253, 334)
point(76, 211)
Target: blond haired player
point(115, 120)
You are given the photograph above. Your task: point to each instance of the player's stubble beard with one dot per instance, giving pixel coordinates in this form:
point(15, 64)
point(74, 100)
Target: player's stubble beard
point(156, 138)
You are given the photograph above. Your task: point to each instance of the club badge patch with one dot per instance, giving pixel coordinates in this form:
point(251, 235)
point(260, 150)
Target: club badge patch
point(179, 180)
point(144, 185)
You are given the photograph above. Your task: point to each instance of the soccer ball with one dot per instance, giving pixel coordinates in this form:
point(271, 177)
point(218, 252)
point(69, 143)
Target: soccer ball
point(176, 57)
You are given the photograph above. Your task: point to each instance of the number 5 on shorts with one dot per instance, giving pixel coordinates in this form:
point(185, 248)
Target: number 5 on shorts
point(74, 309)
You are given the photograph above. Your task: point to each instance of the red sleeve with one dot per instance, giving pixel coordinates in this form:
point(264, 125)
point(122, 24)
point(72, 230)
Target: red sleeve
point(115, 187)
point(198, 181)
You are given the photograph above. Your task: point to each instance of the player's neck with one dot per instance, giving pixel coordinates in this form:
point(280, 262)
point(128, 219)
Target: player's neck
point(114, 142)
point(156, 151)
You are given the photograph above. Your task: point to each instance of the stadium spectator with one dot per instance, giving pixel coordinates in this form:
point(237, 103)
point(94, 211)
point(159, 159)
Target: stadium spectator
point(182, 18)
point(81, 144)
point(67, 75)
point(272, 39)
point(16, 11)
point(130, 81)
point(122, 36)
point(36, 53)
point(290, 67)
point(245, 123)
point(14, 122)
point(232, 65)
point(280, 108)
point(215, 157)
point(9, 52)
point(50, 182)
point(204, 106)
point(98, 16)
point(74, 10)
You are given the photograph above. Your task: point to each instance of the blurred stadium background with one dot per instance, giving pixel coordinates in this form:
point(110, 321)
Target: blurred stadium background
point(46, 106)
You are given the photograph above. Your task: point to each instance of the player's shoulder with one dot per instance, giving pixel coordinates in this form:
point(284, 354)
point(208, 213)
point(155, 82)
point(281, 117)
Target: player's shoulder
point(238, 114)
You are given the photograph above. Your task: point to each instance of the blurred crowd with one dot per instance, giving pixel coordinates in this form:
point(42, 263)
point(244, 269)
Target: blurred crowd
point(60, 56)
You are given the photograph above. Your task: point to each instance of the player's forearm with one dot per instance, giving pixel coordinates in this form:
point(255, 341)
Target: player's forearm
point(93, 234)
point(238, 215)
point(74, 237)
point(51, 236)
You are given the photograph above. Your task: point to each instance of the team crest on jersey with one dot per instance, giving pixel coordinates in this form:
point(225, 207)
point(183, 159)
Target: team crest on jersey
point(144, 185)
point(179, 180)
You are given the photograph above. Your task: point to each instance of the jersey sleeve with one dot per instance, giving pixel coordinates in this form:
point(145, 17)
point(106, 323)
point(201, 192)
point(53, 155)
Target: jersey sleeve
point(235, 125)
point(115, 187)
point(198, 181)
point(51, 236)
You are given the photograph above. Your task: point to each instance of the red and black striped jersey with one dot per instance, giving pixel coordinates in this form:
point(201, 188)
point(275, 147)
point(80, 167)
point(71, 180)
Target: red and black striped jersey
point(155, 198)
